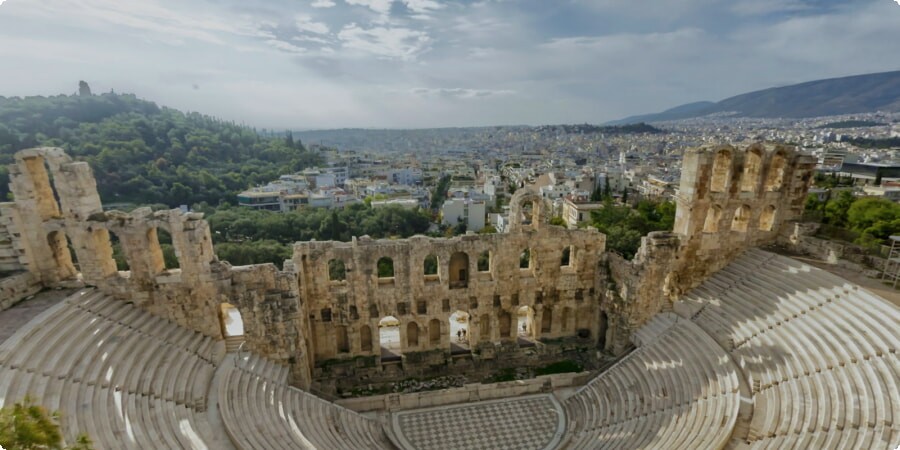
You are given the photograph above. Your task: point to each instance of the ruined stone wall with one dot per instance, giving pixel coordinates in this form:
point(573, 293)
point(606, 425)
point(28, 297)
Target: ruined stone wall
point(731, 199)
point(345, 313)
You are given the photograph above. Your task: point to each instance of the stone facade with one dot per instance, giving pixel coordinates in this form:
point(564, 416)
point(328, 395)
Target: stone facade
point(326, 305)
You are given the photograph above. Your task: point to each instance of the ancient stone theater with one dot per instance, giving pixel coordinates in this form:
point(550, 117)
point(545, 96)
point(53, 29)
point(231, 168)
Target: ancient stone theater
point(706, 339)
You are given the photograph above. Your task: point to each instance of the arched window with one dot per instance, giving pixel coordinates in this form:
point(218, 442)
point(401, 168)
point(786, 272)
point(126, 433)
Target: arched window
point(528, 211)
point(167, 247)
point(525, 259)
point(385, 267)
point(459, 330)
point(412, 335)
point(504, 322)
point(775, 175)
point(566, 259)
point(546, 320)
point(434, 332)
point(721, 171)
point(750, 177)
point(604, 326)
point(484, 261)
point(430, 267)
point(389, 338)
point(230, 320)
point(485, 327)
point(525, 322)
point(343, 340)
point(459, 270)
point(741, 219)
point(337, 271)
point(365, 338)
point(713, 216)
point(118, 252)
point(63, 256)
point(767, 218)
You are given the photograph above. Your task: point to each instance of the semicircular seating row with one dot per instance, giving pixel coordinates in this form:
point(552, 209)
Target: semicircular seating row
point(818, 352)
point(678, 389)
point(126, 378)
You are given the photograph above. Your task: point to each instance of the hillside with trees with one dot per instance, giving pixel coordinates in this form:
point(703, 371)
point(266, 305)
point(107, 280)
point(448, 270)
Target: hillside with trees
point(142, 153)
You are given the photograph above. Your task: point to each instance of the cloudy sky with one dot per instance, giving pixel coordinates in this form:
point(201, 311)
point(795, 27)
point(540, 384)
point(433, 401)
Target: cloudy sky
point(422, 63)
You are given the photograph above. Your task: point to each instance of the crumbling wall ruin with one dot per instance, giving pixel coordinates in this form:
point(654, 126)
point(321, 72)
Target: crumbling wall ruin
point(327, 303)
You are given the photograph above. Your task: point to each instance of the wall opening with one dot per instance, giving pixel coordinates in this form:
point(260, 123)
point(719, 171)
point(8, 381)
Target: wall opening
point(485, 327)
point(102, 245)
point(389, 338)
point(170, 256)
point(741, 219)
point(721, 171)
point(527, 215)
point(118, 252)
point(601, 335)
point(385, 267)
point(566, 317)
point(337, 270)
point(713, 216)
point(546, 320)
point(525, 259)
point(430, 268)
point(459, 270)
point(459, 332)
point(525, 325)
point(752, 166)
point(504, 322)
point(365, 338)
point(412, 335)
point(434, 332)
point(566, 259)
point(343, 339)
point(775, 174)
point(63, 255)
point(231, 321)
point(767, 218)
point(484, 261)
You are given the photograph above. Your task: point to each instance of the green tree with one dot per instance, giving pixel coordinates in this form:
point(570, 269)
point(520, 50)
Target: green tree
point(27, 426)
point(836, 209)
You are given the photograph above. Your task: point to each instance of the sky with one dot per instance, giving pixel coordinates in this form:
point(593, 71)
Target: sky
point(313, 64)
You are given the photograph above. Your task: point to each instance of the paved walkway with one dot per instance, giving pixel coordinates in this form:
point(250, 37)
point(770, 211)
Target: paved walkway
point(533, 422)
point(13, 318)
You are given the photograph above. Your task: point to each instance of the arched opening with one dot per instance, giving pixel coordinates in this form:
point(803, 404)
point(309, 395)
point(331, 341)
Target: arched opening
point(430, 268)
point(342, 338)
point(527, 213)
point(601, 335)
point(566, 259)
point(412, 335)
point(389, 338)
point(485, 327)
point(721, 171)
point(232, 326)
point(459, 270)
point(167, 247)
point(713, 216)
point(385, 268)
point(484, 261)
point(775, 175)
point(155, 260)
point(434, 332)
point(741, 219)
point(365, 338)
point(525, 325)
point(63, 255)
point(566, 316)
point(546, 320)
point(459, 332)
point(337, 270)
point(767, 218)
point(752, 165)
point(525, 259)
point(504, 322)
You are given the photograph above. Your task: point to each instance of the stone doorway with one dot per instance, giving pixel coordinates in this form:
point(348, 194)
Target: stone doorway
point(459, 333)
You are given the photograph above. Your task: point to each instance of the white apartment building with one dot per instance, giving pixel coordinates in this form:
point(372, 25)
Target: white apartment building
point(464, 210)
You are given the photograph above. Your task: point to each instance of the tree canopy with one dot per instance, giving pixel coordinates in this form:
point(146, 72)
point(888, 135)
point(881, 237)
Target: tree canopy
point(26, 426)
point(142, 153)
point(869, 220)
point(624, 226)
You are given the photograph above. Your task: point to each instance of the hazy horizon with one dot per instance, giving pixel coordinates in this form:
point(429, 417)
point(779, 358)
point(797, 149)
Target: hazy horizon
point(413, 64)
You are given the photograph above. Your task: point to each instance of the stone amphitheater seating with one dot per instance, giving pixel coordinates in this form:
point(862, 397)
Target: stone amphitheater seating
point(115, 372)
point(678, 389)
point(261, 411)
point(819, 353)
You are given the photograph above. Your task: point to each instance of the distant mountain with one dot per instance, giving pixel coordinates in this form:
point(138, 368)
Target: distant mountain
point(833, 96)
